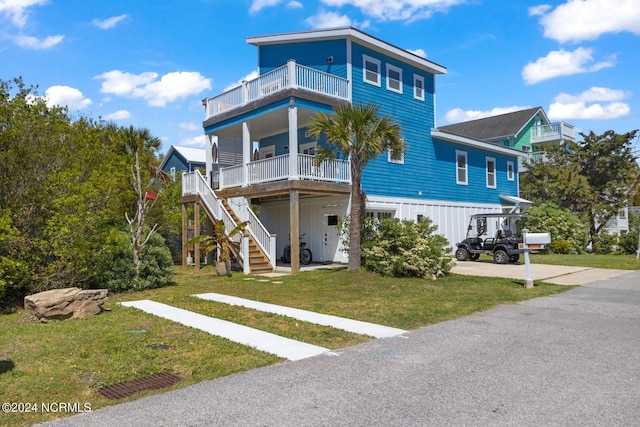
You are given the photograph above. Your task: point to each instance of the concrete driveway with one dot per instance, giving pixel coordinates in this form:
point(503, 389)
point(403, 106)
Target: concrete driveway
point(556, 274)
point(569, 359)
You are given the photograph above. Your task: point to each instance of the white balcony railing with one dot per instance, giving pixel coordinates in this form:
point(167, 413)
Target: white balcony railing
point(277, 169)
point(552, 132)
point(288, 76)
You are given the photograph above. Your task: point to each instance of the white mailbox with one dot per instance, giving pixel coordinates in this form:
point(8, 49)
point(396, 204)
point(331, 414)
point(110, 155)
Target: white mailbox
point(536, 240)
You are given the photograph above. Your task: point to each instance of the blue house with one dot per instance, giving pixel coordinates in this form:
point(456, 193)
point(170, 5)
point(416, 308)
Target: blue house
point(181, 159)
point(260, 153)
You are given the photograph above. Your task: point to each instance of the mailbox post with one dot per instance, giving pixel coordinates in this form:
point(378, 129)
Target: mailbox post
point(532, 241)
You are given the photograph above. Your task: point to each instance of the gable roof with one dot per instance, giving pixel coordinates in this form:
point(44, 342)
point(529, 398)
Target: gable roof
point(352, 34)
point(189, 154)
point(495, 127)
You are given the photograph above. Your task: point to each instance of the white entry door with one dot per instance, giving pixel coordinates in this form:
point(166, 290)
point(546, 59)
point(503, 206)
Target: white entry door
point(330, 236)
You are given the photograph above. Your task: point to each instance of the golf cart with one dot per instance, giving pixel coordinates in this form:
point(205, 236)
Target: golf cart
point(492, 234)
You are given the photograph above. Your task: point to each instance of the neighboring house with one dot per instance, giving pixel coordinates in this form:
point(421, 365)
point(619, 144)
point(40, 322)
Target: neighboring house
point(183, 159)
point(526, 130)
point(262, 125)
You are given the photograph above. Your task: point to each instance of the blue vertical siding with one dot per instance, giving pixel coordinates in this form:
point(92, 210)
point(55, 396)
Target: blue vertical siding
point(312, 54)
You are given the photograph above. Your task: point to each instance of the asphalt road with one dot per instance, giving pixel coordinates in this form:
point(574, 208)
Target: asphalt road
point(570, 359)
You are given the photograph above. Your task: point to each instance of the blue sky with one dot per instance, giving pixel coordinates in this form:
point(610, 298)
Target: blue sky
point(150, 63)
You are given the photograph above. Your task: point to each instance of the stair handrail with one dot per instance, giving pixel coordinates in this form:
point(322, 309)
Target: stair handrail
point(262, 237)
point(193, 183)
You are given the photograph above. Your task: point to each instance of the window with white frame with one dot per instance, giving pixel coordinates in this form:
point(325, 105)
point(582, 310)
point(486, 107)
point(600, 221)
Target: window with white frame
point(308, 148)
point(461, 168)
point(172, 172)
point(371, 70)
point(511, 171)
point(418, 87)
point(390, 156)
point(491, 172)
point(394, 78)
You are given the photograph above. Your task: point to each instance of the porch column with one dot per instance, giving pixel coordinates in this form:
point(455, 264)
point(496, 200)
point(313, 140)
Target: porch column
point(185, 235)
point(196, 233)
point(246, 153)
point(294, 227)
point(293, 144)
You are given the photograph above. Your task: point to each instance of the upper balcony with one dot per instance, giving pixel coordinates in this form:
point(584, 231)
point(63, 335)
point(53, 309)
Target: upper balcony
point(289, 76)
point(552, 132)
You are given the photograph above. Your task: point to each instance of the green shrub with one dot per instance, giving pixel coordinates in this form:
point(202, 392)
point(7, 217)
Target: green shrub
point(606, 243)
point(14, 274)
point(117, 272)
point(628, 242)
point(560, 247)
point(404, 248)
point(566, 229)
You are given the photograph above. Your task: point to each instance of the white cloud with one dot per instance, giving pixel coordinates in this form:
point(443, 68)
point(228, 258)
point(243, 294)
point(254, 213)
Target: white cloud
point(563, 63)
point(18, 10)
point(109, 22)
point(189, 126)
point(258, 5)
point(29, 42)
point(458, 115)
point(118, 115)
point(578, 20)
point(295, 5)
point(596, 103)
point(328, 20)
point(396, 10)
point(420, 52)
point(157, 92)
point(197, 141)
point(539, 10)
point(66, 96)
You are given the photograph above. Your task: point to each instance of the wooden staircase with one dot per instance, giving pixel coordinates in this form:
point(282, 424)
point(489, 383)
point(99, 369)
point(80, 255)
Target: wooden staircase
point(258, 260)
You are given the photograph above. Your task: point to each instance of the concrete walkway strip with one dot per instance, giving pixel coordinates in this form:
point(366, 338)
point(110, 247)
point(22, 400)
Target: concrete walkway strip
point(260, 340)
point(349, 325)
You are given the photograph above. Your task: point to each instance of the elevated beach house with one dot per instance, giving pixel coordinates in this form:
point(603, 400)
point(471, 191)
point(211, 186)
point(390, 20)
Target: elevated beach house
point(260, 153)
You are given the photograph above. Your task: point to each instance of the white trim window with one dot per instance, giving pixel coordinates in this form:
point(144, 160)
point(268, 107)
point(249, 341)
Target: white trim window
point(371, 70)
point(308, 148)
point(462, 168)
point(511, 171)
point(399, 161)
point(418, 87)
point(491, 172)
point(394, 78)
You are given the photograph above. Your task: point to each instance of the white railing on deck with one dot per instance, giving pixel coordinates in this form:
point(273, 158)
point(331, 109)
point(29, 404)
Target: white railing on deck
point(193, 183)
point(552, 131)
point(271, 169)
point(328, 170)
point(231, 176)
point(288, 76)
point(277, 168)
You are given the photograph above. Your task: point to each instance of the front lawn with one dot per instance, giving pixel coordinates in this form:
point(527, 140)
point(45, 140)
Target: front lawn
point(622, 262)
point(67, 361)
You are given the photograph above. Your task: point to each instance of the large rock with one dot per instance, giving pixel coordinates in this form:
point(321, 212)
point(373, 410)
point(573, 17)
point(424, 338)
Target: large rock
point(60, 304)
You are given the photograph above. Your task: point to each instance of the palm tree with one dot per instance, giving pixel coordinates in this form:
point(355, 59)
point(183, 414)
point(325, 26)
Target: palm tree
point(357, 132)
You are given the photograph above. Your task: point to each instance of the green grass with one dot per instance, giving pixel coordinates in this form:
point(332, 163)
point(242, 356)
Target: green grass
point(622, 262)
point(67, 361)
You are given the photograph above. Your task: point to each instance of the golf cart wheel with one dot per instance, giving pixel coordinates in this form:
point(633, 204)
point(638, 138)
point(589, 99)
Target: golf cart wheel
point(474, 257)
point(462, 254)
point(500, 257)
point(514, 258)
point(306, 257)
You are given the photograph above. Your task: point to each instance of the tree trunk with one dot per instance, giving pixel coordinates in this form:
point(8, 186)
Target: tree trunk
point(354, 223)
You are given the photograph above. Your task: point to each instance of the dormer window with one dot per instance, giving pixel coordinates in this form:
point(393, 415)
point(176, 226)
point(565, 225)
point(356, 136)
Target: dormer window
point(394, 78)
point(371, 70)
